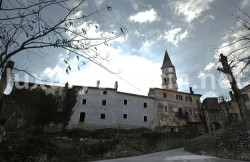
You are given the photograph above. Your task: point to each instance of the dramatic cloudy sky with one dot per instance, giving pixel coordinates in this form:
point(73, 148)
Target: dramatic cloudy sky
point(190, 30)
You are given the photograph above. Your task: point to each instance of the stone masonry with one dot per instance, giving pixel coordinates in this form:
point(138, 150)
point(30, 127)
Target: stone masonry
point(230, 142)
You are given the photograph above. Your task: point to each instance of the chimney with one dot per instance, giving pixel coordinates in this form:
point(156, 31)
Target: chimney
point(191, 91)
point(98, 83)
point(231, 95)
point(67, 85)
point(116, 85)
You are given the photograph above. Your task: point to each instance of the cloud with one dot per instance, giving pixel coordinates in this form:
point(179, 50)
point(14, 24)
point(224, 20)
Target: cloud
point(207, 17)
point(175, 35)
point(244, 3)
point(139, 34)
point(201, 74)
point(191, 9)
point(134, 4)
point(209, 66)
point(147, 75)
point(125, 66)
point(183, 82)
point(145, 47)
point(145, 16)
point(99, 2)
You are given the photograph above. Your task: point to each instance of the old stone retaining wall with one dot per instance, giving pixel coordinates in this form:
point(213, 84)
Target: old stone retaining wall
point(230, 142)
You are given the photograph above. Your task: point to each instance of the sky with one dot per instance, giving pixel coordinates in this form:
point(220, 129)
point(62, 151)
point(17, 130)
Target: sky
point(192, 31)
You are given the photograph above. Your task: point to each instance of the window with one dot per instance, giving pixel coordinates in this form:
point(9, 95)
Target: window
point(189, 99)
point(145, 104)
point(167, 80)
point(145, 118)
point(164, 95)
point(165, 109)
point(56, 92)
point(190, 112)
point(84, 101)
point(103, 102)
point(180, 109)
point(104, 92)
point(246, 98)
point(102, 116)
point(173, 80)
point(82, 117)
point(178, 97)
point(125, 116)
point(125, 102)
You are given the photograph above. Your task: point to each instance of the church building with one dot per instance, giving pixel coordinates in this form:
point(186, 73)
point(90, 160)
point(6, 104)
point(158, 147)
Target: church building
point(174, 108)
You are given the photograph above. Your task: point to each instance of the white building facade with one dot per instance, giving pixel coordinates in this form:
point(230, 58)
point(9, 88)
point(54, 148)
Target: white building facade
point(98, 108)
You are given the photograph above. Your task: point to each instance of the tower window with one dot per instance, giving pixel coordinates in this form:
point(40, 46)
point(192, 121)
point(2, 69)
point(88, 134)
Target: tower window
point(82, 117)
point(103, 102)
point(145, 118)
point(84, 101)
point(173, 80)
point(104, 92)
point(164, 95)
point(125, 116)
point(145, 104)
point(103, 116)
point(125, 102)
point(167, 80)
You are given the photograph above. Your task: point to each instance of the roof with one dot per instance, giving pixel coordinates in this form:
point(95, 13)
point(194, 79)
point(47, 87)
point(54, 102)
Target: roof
point(247, 87)
point(125, 93)
point(78, 86)
point(166, 62)
point(153, 89)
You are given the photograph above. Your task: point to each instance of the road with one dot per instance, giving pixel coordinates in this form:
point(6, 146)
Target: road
point(169, 156)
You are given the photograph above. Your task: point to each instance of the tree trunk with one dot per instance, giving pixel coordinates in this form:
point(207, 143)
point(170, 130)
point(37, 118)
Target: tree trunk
point(237, 92)
point(5, 77)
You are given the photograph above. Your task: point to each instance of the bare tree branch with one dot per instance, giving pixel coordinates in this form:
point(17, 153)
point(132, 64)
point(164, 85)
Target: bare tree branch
point(25, 27)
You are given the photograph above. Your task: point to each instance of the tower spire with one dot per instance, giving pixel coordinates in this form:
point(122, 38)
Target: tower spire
point(166, 62)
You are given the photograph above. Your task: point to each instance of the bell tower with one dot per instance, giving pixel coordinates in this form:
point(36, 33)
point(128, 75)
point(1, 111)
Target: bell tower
point(168, 74)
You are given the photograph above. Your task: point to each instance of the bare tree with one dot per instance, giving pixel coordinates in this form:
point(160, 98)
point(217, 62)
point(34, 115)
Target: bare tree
point(226, 69)
point(239, 48)
point(26, 27)
point(238, 57)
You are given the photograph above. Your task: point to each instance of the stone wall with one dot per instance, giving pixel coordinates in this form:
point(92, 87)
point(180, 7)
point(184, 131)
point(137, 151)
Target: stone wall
point(230, 142)
point(81, 145)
